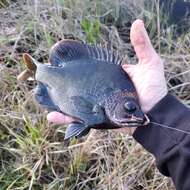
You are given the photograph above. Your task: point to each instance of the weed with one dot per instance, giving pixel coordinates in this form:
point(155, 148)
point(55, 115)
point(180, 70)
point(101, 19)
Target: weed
point(91, 29)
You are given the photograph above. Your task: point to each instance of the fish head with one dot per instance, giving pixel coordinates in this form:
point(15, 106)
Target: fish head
point(123, 110)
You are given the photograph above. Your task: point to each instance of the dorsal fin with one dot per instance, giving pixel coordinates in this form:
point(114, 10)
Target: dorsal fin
point(69, 50)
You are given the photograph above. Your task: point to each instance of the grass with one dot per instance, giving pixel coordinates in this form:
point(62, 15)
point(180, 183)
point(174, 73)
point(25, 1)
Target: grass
point(33, 154)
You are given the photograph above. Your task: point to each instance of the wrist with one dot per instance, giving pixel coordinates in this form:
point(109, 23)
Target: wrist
point(153, 99)
point(169, 112)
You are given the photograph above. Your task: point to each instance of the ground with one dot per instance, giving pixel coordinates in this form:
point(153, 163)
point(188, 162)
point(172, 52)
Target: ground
point(33, 154)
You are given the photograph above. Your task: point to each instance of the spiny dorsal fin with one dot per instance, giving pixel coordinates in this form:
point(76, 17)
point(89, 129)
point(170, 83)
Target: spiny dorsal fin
point(69, 50)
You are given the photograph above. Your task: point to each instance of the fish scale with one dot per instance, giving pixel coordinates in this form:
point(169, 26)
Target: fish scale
point(88, 83)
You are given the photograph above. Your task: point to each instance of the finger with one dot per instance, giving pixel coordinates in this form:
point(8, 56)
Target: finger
point(141, 42)
point(130, 69)
point(59, 118)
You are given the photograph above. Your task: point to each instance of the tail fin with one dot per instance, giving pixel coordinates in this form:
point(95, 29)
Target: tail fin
point(31, 65)
point(30, 62)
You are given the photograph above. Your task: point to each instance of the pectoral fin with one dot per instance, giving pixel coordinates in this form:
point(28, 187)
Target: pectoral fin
point(82, 105)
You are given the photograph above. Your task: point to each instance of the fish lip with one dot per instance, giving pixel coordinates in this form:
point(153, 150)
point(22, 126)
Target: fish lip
point(134, 122)
point(147, 120)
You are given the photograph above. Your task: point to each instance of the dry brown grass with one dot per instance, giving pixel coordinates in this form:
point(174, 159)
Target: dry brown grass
point(33, 154)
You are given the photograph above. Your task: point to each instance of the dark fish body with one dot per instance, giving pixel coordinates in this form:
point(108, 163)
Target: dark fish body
point(94, 80)
point(89, 84)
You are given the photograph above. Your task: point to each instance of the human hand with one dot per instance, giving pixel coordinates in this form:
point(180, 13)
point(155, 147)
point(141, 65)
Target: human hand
point(147, 75)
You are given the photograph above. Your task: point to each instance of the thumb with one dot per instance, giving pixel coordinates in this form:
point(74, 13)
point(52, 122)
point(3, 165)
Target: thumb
point(141, 42)
point(129, 69)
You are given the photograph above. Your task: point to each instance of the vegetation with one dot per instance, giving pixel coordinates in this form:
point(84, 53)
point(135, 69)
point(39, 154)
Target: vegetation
point(33, 154)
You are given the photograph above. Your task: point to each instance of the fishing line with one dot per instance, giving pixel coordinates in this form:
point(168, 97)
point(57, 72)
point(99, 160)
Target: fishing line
point(165, 126)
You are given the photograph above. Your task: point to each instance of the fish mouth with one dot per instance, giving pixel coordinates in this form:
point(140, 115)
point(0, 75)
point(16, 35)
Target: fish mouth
point(146, 120)
point(134, 122)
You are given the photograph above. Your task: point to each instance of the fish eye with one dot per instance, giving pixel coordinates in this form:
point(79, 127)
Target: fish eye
point(130, 107)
